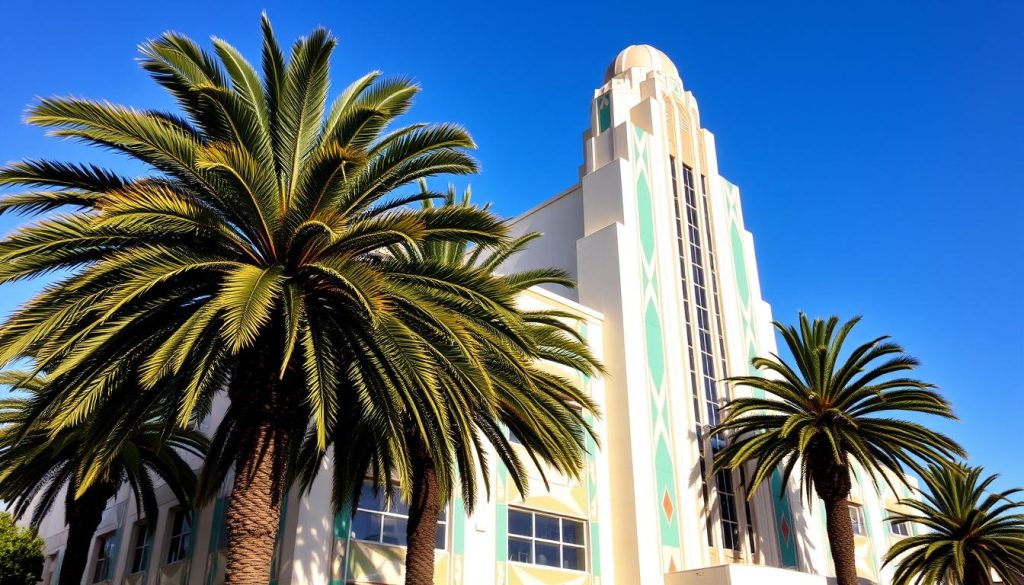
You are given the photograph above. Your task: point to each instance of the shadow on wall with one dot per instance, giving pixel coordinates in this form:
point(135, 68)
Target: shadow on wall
point(812, 559)
point(314, 533)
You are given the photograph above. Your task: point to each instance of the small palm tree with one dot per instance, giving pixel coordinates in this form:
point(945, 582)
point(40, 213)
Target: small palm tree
point(135, 449)
point(827, 412)
point(967, 533)
point(252, 258)
point(543, 409)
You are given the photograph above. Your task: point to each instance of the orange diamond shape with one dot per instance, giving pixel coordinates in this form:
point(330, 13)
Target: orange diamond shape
point(666, 504)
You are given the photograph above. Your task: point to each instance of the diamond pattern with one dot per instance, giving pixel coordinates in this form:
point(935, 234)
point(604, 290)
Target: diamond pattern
point(666, 505)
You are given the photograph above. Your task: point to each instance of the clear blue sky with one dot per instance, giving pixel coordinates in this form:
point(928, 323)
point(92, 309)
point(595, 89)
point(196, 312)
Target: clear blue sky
point(879, 144)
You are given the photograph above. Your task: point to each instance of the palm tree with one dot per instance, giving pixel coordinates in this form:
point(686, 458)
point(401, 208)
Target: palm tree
point(36, 464)
point(252, 259)
point(967, 533)
point(827, 413)
point(543, 409)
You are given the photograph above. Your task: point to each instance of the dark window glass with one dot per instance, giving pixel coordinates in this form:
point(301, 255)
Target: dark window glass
point(547, 554)
point(572, 531)
point(181, 534)
point(520, 550)
point(545, 539)
point(140, 551)
point(104, 556)
point(377, 520)
point(574, 558)
point(520, 523)
point(547, 528)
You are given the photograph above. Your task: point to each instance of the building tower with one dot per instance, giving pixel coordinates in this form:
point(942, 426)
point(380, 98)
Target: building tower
point(655, 237)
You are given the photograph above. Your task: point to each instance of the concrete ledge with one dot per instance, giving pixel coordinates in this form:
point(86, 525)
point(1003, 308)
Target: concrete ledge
point(737, 574)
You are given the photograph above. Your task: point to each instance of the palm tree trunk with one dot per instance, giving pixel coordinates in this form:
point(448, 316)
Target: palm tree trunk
point(832, 482)
point(423, 512)
point(254, 510)
point(840, 539)
point(84, 516)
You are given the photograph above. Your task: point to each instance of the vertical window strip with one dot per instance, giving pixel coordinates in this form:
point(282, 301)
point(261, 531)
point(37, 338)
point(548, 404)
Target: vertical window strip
point(721, 332)
point(727, 503)
point(698, 422)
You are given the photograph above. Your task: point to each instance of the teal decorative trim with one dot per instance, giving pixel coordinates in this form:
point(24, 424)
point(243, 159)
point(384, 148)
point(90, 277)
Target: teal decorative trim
point(275, 565)
point(458, 527)
point(215, 527)
point(501, 526)
point(667, 498)
point(781, 505)
point(342, 521)
point(591, 467)
point(873, 557)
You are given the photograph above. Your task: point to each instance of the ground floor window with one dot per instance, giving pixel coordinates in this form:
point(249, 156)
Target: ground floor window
point(857, 519)
point(546, 539)
point(384, 522)
point(181, 535)
point(104, 556)
point(140, 548)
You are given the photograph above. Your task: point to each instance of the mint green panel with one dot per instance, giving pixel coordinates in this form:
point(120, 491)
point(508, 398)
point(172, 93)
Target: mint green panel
point(655, 351)
point(654, 354)
point(740, 264)
point(604, 112)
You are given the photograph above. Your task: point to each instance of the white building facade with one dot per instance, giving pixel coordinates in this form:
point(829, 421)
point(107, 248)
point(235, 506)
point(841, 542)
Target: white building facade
point(669, 298)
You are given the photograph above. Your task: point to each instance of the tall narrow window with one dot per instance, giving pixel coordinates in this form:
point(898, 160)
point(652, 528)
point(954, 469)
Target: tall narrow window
point(181, 534)
point(140, 548)
point(681, 246)
point(857, 519)
point(104, 556)
point(707, 404)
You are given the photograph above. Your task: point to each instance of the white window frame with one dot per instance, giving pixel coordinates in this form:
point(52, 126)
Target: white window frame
point(857, 520)
point(141, 530)
point(533, 539)
point(900, 527)
point(103, 557)
point(184, 537)
point(382, 514)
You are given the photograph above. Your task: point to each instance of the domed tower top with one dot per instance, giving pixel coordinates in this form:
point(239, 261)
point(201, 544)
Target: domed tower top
point(641, 56)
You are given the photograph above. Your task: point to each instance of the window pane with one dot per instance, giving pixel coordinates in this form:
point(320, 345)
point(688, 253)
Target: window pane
point(547, 528)
point(573, 558)
point(520, 523)
point(366, 526)
point(547, 553)
point(368, 500)
point(519, 550)
point(572, 531)
point(398, 506)
point(393, 531)
point(440, 540)
point(141, 548)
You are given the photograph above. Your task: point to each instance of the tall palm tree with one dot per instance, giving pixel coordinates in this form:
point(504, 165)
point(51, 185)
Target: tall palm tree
point(252, 258)
point(36, 465)
point(967, 532)
point(543, 409)
point(827, 412)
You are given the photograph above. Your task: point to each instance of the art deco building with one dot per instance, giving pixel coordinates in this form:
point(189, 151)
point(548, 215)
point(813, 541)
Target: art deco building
point(669, 298)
